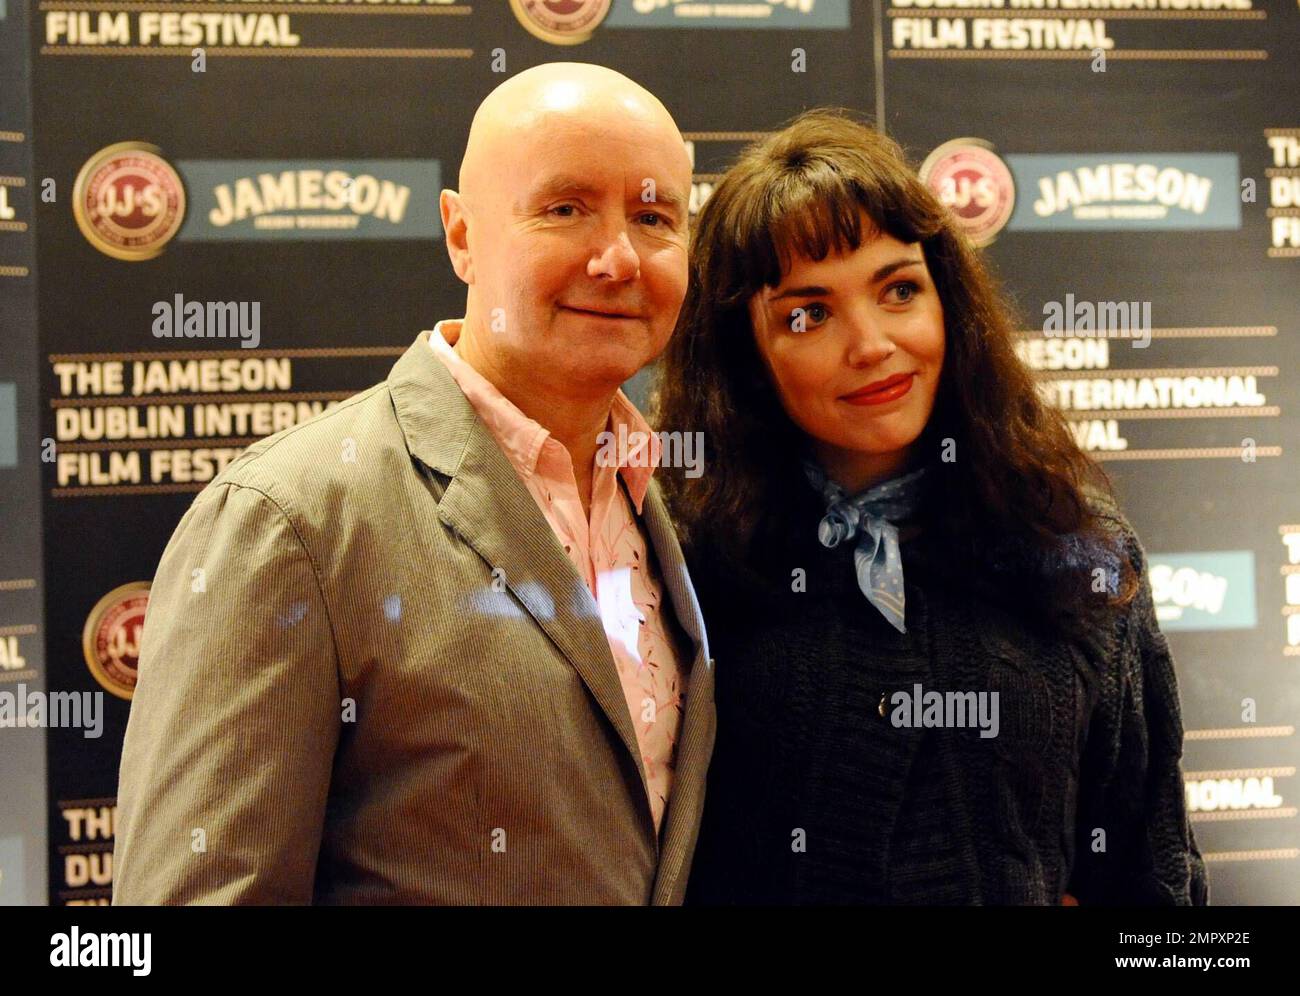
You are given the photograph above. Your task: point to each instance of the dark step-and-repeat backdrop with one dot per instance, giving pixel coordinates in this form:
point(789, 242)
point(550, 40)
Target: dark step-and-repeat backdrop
point(1131, 166)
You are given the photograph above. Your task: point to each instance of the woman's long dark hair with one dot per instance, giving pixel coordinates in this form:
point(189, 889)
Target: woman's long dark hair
point(1013, 480)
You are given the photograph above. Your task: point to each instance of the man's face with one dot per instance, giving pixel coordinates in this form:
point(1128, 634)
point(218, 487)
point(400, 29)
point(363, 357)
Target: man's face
point(579, 249)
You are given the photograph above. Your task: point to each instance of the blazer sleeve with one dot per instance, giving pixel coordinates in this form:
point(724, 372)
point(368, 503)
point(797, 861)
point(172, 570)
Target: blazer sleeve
point(1134, 842)
point(225, 769)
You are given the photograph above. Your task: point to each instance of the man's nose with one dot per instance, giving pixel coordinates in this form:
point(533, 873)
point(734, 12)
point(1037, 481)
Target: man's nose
point(614, 257)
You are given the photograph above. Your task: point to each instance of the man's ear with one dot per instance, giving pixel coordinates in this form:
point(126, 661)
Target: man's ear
point(455, 226)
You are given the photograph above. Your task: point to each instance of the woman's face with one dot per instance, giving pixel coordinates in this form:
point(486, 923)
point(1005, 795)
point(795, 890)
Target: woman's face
point(854, 344)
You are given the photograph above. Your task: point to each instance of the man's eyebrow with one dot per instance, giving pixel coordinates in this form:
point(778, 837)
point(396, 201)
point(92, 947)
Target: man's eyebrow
point(669, 199)
point(879, 275)
point(558, 185)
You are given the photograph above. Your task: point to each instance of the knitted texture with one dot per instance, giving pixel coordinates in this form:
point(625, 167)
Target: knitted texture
point(815, 797)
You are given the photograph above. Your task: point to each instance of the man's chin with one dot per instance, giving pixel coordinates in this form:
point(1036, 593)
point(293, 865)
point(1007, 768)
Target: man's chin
point(603, 375)
point(604, 367)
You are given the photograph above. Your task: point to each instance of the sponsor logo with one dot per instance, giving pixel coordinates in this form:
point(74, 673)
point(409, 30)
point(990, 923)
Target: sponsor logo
point(1119, 190)
point(128, 201)
point(8, 424)
point(111, 637)
point(251, 200)
point(1204, 591)
point(830, 14)
point(973, 182)
point(561, 22)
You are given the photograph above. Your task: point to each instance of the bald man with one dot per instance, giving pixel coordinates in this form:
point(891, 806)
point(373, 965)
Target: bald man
point(439, 645)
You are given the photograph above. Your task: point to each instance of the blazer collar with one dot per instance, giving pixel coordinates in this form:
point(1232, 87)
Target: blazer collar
point(436, 418)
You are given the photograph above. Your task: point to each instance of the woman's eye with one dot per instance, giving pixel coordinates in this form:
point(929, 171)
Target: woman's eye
point(911, 287)
point(813, 314)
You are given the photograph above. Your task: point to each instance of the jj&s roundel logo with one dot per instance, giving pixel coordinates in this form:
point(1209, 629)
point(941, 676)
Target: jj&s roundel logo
point(973, 182)
point(561, 22)
point(128, 201)
point(111, 638)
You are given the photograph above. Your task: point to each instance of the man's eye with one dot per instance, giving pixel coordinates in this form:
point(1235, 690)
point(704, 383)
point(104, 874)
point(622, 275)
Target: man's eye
point(657, 219)
point(563, 207)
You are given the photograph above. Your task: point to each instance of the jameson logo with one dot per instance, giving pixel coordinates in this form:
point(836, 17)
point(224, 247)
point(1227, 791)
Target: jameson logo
point(1111, 182)
point(1204, 590)
point(1150, 191)
point(308, 189)
point(311, 199)
point(754, 14)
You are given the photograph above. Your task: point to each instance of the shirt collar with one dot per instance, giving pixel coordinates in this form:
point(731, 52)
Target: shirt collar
point(630, 432)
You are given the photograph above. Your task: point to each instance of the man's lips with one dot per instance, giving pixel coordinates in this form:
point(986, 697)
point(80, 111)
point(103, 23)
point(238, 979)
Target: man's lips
point(881, 390)
point(600, 313)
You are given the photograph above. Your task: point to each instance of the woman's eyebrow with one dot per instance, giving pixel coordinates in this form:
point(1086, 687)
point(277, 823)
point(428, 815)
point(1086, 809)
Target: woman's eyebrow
point(879, 275)
point(801, 292)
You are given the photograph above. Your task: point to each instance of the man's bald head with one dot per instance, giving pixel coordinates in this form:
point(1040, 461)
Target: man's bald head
point(535, 101)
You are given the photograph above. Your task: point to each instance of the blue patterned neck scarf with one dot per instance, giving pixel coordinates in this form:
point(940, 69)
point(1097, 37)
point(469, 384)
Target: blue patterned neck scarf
point(868, 516)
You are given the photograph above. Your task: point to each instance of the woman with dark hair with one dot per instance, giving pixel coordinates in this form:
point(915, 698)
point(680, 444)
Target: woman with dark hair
point(939, 675)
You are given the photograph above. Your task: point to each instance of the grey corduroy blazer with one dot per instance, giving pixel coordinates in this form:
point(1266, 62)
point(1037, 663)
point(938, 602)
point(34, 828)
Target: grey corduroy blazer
point(336, 704)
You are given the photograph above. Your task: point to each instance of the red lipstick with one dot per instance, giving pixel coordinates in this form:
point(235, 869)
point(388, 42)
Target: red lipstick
point(881, 391)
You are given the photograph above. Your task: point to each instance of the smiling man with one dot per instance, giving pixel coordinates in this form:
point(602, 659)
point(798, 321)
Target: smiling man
point(439, 652)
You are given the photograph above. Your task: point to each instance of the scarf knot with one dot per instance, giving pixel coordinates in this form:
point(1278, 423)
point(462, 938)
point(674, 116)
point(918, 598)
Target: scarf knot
point(870, 516)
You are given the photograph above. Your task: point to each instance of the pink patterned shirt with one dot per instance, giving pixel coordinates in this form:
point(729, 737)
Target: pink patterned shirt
point(609, 552)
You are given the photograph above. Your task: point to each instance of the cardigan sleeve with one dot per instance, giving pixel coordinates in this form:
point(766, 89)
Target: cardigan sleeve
point(1134, 843)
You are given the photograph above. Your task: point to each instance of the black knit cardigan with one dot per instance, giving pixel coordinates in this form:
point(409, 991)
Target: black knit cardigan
point(818, 795)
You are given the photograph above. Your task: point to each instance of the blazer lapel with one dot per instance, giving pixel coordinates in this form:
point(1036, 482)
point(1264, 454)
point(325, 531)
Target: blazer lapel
point(487, 504)
point(695, 739)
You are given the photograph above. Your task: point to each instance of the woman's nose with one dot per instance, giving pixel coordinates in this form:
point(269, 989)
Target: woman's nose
point(869, 342)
